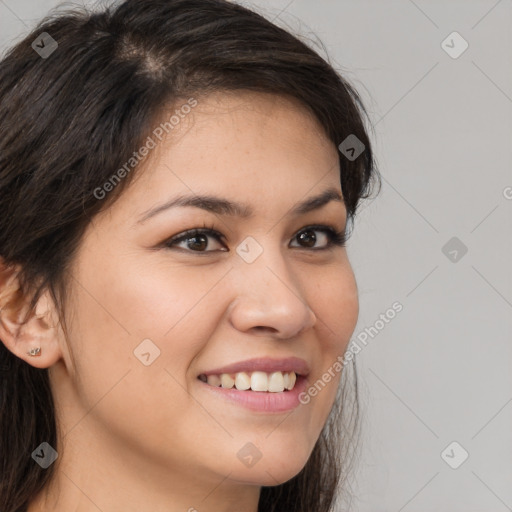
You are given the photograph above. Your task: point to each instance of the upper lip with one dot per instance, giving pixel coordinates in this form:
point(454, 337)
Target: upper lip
point(264, 364)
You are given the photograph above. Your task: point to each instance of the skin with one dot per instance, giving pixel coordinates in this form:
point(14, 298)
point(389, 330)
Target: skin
point(138, 437)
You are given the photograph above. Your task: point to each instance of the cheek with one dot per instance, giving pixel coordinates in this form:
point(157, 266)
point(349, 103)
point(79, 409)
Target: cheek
point(336, 305)
point(145, 406)
point(117, 306)
point(156, 300)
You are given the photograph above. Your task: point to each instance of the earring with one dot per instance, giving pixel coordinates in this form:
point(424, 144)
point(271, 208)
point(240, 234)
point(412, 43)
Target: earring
point(34, 352)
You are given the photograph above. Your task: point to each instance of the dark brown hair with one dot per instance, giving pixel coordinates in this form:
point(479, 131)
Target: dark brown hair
point(72, 118)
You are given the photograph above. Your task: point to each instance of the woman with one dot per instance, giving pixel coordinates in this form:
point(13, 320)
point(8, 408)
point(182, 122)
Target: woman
point(177, 182)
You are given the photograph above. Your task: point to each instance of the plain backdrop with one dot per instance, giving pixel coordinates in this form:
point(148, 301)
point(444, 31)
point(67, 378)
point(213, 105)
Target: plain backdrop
point(436, 379)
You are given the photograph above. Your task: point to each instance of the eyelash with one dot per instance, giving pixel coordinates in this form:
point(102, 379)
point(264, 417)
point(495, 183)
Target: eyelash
point(336, 238)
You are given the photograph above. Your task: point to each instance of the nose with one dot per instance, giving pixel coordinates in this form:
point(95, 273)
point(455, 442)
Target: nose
point(269, 300)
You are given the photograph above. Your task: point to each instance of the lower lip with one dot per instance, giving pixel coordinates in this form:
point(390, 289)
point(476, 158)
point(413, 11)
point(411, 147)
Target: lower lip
point(262, 401)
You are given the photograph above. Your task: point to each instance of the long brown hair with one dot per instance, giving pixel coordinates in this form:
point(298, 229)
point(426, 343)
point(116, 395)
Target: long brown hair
point(72, 117)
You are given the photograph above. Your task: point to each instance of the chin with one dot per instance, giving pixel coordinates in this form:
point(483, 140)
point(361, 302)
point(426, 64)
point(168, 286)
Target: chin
point(275, 469)
point(266, 477)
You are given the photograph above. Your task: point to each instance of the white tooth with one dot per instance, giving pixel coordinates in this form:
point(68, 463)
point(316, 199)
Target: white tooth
point(276, 382)
point(242, 381)
point(286, 379)
point(227, 381)
point(291, 383)
point(213, 380)
point(259, 381)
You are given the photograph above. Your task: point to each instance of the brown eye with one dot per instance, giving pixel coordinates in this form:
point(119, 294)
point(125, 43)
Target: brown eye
point(308, 239)
point(196, 240)
point(199, 242)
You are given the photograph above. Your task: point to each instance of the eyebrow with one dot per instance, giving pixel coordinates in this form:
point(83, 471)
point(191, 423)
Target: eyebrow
point(221, 206)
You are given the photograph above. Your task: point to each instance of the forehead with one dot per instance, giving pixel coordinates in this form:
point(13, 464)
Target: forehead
point(257, 149)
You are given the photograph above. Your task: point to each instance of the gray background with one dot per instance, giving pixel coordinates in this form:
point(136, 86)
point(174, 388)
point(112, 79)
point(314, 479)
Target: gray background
point(440, 371)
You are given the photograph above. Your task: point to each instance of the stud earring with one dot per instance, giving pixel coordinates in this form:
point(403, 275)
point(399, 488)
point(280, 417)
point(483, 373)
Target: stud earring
point(34, 351)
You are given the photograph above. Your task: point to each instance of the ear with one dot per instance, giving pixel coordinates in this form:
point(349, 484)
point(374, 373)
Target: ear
point(42, 328)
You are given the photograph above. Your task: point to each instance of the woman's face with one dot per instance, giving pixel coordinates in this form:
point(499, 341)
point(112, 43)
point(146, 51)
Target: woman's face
point(148, 319)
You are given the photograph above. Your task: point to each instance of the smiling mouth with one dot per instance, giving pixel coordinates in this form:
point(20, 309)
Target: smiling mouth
point(274, 382)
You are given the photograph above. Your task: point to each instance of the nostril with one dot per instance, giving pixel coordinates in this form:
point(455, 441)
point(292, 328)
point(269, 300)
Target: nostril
point(264, 328)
